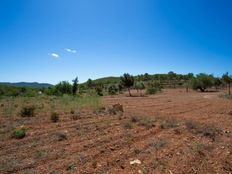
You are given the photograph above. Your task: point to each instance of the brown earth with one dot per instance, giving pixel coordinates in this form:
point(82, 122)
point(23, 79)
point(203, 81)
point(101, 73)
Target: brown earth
point(172, 132)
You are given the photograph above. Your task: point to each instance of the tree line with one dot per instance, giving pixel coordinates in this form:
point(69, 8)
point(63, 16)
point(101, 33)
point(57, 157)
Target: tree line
point(115, 85)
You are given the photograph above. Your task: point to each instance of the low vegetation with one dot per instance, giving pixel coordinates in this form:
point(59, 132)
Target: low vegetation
point(28, 111)
point(18, 133)
point(55, 117)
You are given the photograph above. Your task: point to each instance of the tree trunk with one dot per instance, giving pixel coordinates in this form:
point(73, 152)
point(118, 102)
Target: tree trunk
point(229, 89)
point(129, 92)
point(201, 89)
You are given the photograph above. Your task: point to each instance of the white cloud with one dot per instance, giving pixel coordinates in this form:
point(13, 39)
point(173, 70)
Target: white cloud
point(70, 50)
point(54, 55)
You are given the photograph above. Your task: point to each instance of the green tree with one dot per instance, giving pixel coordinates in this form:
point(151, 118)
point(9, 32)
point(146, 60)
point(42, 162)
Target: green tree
point(202, 82)
point(112, 89)
point(217, 83)
point(89, 83)
point(75, 86)
point(127, 81)
point(139, 86)
point(63, 87)
point(172, 78)
point(188, 78)
point(227, 79)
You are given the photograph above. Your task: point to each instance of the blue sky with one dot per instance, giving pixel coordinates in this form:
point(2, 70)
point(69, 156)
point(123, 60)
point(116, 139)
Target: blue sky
point(54, 40)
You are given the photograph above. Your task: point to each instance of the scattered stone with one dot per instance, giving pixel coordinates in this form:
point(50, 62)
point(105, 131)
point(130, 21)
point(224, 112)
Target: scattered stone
point(137, 161)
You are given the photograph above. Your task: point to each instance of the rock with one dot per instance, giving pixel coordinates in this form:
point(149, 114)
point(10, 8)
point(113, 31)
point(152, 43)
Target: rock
point(135, 162)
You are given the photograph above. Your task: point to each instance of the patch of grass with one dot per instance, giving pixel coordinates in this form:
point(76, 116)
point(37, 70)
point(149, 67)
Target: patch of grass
point(170, 123)
point(134, 119)
point(208, 131)
point(159, 144)
point(198, 147)
point(128, 125)
point(72, 111)
point(94, 164)
point(146, 122)
point(226, 96)
point(54, 117)
point(18, 133)
point(28, 111)
point(41, 154)
point(190, 125)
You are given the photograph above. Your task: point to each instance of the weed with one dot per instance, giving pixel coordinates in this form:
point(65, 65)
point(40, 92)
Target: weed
point(208, 131)
point(128, 125)
point(190, 125)
point(134, 119)
point(18, 133)
point(41, 154)
point(146, 123)
point(72, 111)
point(94, 164)
point(28, 111)
point(159, 144)
point(198, 148)
point(76, 116)
point(171, 123)
point(54, 117)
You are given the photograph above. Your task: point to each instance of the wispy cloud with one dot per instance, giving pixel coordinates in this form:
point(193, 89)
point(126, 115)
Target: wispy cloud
point(70, 50)
point(54, 55)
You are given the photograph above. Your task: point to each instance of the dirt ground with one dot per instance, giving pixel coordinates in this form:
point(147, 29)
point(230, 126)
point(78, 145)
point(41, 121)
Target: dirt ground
point(172, 132)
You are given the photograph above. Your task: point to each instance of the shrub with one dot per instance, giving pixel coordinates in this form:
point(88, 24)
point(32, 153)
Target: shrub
point(151, 90)
point(112, 89)
point(155, 84)
point(139, 86)
point(18, 133)
point(128, 125)
point(145, 122)
point(202, 82)
point(208, 131)
point(72, 111)
point(99, 91)
point(190, 125)
point(28, 111)
point(55, 117)
point(134, 119)
point(171, 123)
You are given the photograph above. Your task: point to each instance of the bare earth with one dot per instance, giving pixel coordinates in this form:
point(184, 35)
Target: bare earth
point(172, 132)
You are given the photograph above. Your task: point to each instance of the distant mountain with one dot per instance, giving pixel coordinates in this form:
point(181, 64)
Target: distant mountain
point(27, 84)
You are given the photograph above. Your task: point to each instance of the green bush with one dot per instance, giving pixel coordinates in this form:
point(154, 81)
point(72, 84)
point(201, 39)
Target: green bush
point(202, 82)
point(151, 90)
point(18, 133)
point(28, 111)
point(112, 89)
point(99, 91)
